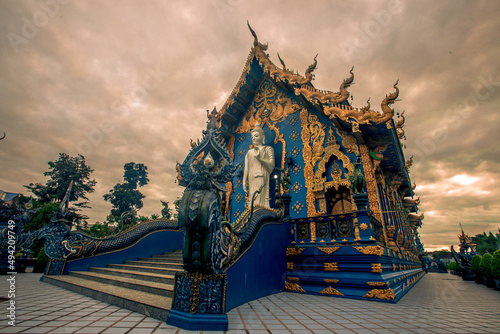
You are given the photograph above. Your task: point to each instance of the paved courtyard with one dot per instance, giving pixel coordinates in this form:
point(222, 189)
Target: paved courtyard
point(439, 303)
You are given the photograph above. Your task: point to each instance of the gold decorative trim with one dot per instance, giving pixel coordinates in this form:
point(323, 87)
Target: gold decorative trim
point(308, 168)
point(371, 183)
point(294, 251)
point(332, 266)
point(333, 281)
point(384, 294)
point(289, 266)
point(293, 279)
point(294, 287)
point(376, 268)
point(330, 291)
point(328, 250)
point(380, 284)
point(363, 226)
point(370, 250)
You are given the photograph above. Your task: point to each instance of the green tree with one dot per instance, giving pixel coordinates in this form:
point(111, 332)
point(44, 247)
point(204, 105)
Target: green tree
point(166, 212)
point(486, 243)
point(125, 196)
point(61, 172)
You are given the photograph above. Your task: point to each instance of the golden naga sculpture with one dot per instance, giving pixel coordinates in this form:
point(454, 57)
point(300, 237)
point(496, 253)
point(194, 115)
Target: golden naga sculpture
point(408, 163)
point(329, 98)
point(364, 116)
point(401, 122)
point(367, 107)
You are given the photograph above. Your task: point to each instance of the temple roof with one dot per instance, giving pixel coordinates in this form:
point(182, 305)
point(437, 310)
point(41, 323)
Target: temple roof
point(373, 128)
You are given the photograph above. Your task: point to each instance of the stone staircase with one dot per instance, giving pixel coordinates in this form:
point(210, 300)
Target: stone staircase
point(144, 286)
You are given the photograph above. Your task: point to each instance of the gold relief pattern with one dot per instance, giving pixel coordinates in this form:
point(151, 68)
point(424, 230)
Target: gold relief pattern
point(349, 142)
point(241, 138)
point(279, 138)
point(296, 169)
point(331, 266)
point(294, 152)
point(292, 120)
point(230, 146)
point(356, 229)
point(294, 251)
point(241, 152)
point(308, 168)
point(330, 291)
point(384, 294)
point(379, 284)
point(333, 149)
point(293, 279)
point(297, 207)
point(237, 214)
point(363, 226)
point(294, 287)
point(371, 186)
point(238, 198)
point(376, 268)
point(317, 131)
point(313, 231)
point(294, 135)
point(296, 187)
point(328, 250)
point(370, 250)
point(332, 281)
point(289, 265)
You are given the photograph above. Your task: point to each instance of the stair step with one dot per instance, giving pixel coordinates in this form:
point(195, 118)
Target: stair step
point(163, 259)
point(167, 265)
point(157, 288)
point(143, 269)
point(149, 304)
point(150, 277)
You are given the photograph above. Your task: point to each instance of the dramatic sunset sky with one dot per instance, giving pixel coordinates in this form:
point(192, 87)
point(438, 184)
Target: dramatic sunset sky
point(121, 81)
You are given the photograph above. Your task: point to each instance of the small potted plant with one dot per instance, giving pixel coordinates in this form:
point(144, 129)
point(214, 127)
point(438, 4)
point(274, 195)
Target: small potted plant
point(495, 268)
point(474, 266)
point(485, 269)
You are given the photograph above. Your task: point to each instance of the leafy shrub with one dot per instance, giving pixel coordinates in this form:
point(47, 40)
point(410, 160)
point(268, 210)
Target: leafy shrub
point(452, 266)
point(485, 265)
point(495, 265)
point(474, 264)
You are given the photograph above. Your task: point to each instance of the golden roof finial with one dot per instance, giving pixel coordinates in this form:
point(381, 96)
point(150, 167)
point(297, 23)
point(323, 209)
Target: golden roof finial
point(256, 39)
point(310, 69)
point(282, 62)
point(400, 123)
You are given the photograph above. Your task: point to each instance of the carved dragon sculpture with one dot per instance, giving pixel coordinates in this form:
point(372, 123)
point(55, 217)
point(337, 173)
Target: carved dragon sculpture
point(211, 244)
point(62, 244)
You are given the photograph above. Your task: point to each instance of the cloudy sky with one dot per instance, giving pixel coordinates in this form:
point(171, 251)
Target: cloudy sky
point(120, 81)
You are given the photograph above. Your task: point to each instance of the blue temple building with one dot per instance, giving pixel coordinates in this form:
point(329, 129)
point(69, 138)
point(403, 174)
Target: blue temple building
point(342, 220)
point(340, 246)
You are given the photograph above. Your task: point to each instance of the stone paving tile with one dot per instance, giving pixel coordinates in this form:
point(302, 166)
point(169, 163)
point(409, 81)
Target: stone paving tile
point(427, 308)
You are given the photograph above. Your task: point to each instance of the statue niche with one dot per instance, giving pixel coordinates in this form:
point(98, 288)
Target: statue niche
point(339, 200)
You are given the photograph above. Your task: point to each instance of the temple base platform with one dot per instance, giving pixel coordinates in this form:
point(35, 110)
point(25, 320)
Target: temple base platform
point(368, 272)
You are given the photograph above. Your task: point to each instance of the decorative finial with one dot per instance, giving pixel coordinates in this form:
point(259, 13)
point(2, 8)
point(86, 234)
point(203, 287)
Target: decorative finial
point(213, 119)
point(282, 62)
point(256, 39)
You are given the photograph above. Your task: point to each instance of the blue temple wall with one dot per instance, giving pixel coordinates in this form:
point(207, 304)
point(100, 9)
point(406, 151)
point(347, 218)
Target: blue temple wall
point(154, 243)
point(285, 136)
point(260, 271)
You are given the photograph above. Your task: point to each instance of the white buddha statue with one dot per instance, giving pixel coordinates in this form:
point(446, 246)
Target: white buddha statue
point(259, 164)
